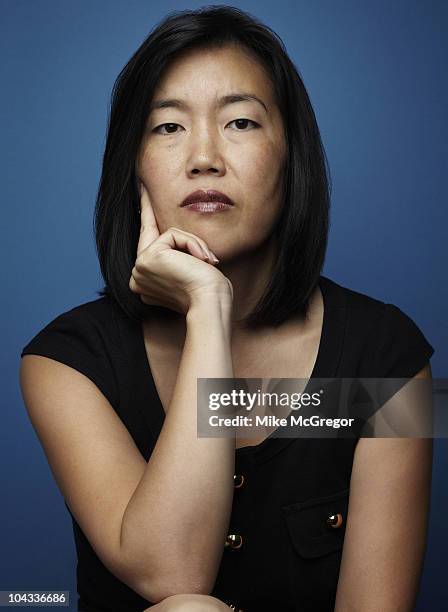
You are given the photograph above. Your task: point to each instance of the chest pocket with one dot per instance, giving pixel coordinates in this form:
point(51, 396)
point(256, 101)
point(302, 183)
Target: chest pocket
point(317, 526)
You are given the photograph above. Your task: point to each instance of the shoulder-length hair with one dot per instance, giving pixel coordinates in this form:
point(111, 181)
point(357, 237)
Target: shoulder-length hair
point(302, 227)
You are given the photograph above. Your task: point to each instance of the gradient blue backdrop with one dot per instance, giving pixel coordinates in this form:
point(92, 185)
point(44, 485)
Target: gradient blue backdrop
point(376, 75)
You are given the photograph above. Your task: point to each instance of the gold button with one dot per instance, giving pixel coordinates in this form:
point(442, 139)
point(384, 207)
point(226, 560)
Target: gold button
point(238, 480)
point(334, 520)
point(233, 541)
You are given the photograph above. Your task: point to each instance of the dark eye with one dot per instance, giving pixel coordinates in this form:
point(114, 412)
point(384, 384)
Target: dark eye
point(169, 125)
point(242, 123)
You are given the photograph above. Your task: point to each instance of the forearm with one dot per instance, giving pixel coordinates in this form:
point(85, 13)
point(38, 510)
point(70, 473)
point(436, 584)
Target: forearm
point(175, 524)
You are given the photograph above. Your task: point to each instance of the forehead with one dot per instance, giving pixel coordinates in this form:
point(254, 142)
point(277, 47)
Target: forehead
point(205, 74)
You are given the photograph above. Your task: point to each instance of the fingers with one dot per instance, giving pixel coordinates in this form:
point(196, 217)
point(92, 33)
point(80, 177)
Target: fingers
point(179, 239)
point(149, 230)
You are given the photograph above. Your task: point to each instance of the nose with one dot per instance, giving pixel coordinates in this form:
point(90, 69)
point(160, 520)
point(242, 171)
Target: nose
point(204, 153)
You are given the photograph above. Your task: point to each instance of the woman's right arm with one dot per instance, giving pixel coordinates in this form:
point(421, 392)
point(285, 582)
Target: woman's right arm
point(160, 526)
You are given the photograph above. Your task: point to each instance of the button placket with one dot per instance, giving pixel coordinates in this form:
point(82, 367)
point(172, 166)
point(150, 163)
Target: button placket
point(234, 541)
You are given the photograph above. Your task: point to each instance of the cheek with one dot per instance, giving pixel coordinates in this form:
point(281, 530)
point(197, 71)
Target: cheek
point(261, 168)
point(264, 186)
point(158, 165)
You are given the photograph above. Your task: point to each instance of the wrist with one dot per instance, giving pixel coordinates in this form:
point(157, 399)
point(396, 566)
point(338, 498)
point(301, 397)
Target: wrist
point(220, 293)
point(211, 304)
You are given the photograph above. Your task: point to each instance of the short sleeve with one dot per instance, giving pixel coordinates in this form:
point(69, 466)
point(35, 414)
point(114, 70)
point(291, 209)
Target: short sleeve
point(76, 339)
point(402, 349)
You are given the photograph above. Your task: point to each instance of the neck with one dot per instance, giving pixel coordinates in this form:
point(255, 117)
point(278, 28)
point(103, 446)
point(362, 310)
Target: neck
point(249, 275)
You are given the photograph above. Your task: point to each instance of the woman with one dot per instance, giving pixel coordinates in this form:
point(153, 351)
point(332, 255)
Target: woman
point(211, 228)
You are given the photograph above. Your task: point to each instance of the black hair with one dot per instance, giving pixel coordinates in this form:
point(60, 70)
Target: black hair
point(302, 227)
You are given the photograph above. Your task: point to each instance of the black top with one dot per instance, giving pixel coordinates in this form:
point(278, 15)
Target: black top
point(289, 559)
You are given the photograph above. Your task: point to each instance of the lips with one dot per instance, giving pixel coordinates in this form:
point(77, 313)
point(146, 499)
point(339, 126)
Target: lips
point(209, 195)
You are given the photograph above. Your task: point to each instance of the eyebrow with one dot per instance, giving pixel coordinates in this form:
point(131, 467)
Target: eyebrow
point(222, 101)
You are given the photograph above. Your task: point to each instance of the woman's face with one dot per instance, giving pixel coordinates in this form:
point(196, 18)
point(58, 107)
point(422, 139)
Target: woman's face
point(236, 148)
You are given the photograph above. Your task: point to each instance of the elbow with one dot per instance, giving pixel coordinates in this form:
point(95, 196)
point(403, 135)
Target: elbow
point(161, 582)
point(157, 588)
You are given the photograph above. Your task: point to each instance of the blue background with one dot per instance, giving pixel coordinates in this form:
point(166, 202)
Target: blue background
point(376, 75)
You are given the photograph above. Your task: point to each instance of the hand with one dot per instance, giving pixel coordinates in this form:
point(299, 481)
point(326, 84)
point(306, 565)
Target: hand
point(175, 279)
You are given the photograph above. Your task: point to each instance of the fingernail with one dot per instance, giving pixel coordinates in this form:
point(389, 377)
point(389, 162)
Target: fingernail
point(215, 259)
